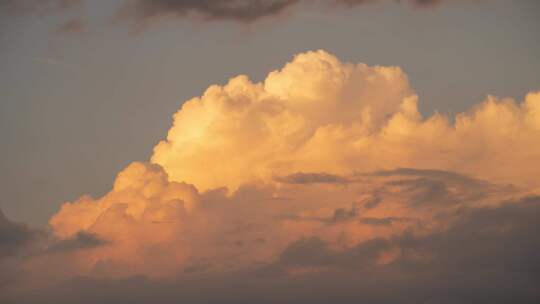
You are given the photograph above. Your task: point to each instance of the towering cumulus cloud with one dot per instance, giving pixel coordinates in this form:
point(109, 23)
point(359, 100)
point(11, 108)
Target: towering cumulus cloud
point(324, 176)
point(320, 115)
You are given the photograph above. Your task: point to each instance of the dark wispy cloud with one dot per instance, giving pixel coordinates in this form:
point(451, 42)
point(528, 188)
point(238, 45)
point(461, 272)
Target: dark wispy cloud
point(427, 187)
point(14, 237)
point(148, 11)
point(382, 221)
point(81, 240)
point(237, 10)
point(18, 240)
point(426, 3)
point(312, 178)
point(417, 3)
point(20, 243)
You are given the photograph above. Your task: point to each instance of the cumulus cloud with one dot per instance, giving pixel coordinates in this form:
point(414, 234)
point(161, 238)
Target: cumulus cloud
point(323, 174)
point(320, 148)
point(318, 114)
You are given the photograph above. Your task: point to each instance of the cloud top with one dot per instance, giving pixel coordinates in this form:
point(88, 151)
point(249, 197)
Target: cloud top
point(318, 114)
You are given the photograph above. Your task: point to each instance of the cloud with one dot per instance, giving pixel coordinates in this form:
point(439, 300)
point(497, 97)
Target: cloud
point(327, 175)
point(378, 165)
point(416, 3)
point(312, 178)
point(243, 11)
point(385, 221)
point(17, 241)
point(146, 12)
point(14, 237)
point(318, 114)
point(237, 10)
point(486, 256)
point(442, 187)
point(81, 240)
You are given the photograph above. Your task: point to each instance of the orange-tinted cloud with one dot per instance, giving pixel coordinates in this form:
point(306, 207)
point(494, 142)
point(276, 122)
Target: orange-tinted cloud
point(324, 168)
point(318, 114)
point(321, 148)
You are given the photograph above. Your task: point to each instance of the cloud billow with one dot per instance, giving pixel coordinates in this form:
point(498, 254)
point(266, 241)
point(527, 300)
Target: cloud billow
point(321, 182)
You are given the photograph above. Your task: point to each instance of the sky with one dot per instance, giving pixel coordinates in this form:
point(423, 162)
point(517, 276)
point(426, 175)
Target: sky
point(348, 147)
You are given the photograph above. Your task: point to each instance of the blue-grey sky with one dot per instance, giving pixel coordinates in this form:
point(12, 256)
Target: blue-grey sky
point(77, 106)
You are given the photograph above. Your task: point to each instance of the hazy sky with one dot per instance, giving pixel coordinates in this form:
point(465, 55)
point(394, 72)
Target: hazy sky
point(279, 151)
point(79, 105)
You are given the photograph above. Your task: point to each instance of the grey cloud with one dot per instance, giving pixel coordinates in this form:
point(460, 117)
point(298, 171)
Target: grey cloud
point(373, 201)
point(339, 215)
point(237, 10)
point(314, 252)
point(418, 188)
point(20, 241)
point(416, 3)
point(426, 3)
point(384, 221)
point(430, 187)
point(312, 178)
point(14, 237)
point(306, 252)
point(441, 174)
point(342, 214)
point(82, 240)
point(194, 268)
point(16, 241)
point(148, 11)
point(488, 255)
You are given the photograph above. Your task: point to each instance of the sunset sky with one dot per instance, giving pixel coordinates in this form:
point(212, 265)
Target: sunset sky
point(278, 151)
